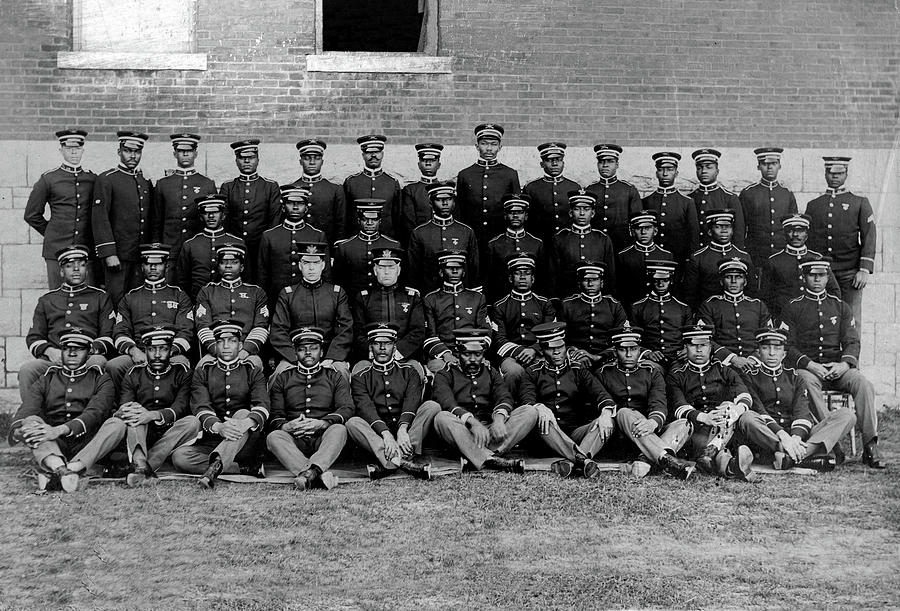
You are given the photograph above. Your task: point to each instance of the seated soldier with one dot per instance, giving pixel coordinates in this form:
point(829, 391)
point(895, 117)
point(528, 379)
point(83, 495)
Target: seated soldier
point(590, 315)
point(823, 345)
point(634, 283)
point(232, 299)
point(313, 303)
point(310, 407)
point(712, 397)
point(150, 305)
point(62, 411)
point(512, 242)
point(662, 316)
point(478, 418)
point(353, 256)
point(230, 405)
point(780, 424)
point(574, 246)
point(73, 304)
point(449, 308)
point(516, 315)
point(734, 316)
point(639, 392)
point(701, 274)
point(393, 421)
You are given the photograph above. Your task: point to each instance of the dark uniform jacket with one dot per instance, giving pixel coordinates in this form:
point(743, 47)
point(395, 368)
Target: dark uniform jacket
point(549, 211)
point(661, 317)
point(83, 307)
point(175, 216)
point(447, 308)
point(515, 315)
point(254, 205)
point(701, 275)
point(736, 319)
point(574, 246)
point(702, 388)
point(122, 215)
point(377, 185)
point(352, 267)
point(780, 396)
point(168, 392)
point(481, 395)
point(387, 396)
point(219, 389)
point(843, 227)
point(679, 229)
point(763, 204)
point(631, 271)
point(617, 200)
point(782, 280)
point(589, 320)
point(68, 190)
point(279, 256)
point(571, 392)
point(197, 264)
point(496, 276)
point(233, 300)
point(820, 328)
point(321, 305)
point(479, 189)
point(150, 305)
point(714, 197)
point(415, 206)
point(327, 207)
point(318, 392)
point(436, 235)
point(401, 305)
point(642, 389)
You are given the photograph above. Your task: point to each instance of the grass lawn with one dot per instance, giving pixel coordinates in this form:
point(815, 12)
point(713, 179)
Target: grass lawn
point(474, 541)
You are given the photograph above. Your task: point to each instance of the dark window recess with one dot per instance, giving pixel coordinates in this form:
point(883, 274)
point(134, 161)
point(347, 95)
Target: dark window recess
point(392, 26)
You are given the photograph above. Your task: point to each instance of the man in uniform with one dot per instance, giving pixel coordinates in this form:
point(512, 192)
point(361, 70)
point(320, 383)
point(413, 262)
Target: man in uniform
point(175, 214)
point(73, 304)
point(712, 397)
point(590, 315)
point(701, 276)
point(481, 186)
point(393, 421)
point(327, 206)
point(711, 196)
point(632, 261)
point(842, 226)
point(550, 193)
point(442, 232)
point(514, 241)
point(311, 405)
point(617, 199)
point(823, 342)
point(679, 230)
point(232, 299)
point(373, 183)
point(661, 316)
point(579, 243)
point(121, 216)
point(353, 256)
point(150, 305)
point(63, 411)
point(197, 260)
point(252, 203)
point(68, 190)
point(478, 418)
point(780, 424)
point(415, 203)
point(230, 406)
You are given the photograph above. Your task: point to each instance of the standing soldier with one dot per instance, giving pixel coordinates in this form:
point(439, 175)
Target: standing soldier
point(662, 316)
point(252, 203)
point(842, 226)
point(550, 193)
point(415, 202)
point(68, 190)
point(373, 183)
point(327, 206)
point(514, 241)
point(481, 186)
point(679, 231)
point(701, 276)
point(353, 256)
point(579, 243)
point(197, 260)
point(617, 199)
point(709, 195)
point(632, 263)
point(121, 217)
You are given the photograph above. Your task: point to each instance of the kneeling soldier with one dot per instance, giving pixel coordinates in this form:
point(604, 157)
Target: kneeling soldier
point(388, 394)
point(310, 406)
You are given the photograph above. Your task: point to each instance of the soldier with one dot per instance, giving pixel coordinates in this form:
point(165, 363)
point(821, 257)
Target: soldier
point(701, 276)
point(415, 202)
point(373, 183)
point(550, 192)
point(388, 301)
point(515, 317)
point(150, 305)
point(313, 303)
point(617, 199)
point(734, 317)
point(197, 258)
point(175, 214)
point(353, 256)
point(590, 315)
point(661, 316)
point(823, 345)
point(781, 277)
point(327, 206)
point(478, 418)
point(393, 421)
point(481, 186)
point(121, 217)
point(514, 241)
point(73, 304)
point(252, 203)
point(442, 232)
point(579, 243)
point(68, 190)
point(279, 252)
point(230, 406)
point(232, 299)
point(632, 261)
point(449, 308)
point(311, 405)
point(842, 226)
point(780, 424)
point(639, 392)
point(712, 397)
point(710, 196)
point(679, 230)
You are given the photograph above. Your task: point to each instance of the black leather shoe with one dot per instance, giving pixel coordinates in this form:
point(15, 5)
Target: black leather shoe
point(208, 479)
point(819, 462)
point(741, 465)
point(504, 464)
point(682, 469)
point(872, 455)
point(306, 480)
point(783, 462)
point(141, 476)
point(377, 472)
point(839, 456)
point(416, 470)
point(706, 462)
point(562, 468)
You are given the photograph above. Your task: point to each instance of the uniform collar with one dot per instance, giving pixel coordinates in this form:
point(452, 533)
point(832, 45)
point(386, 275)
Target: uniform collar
point(125, 170)
point(772, 373)
point(311, 177)
point(427, 180)
point(228, 365)
point(659, 298)
point(833, 192)
point(373, 173)
point(231, 284)
point(386, 289)
point(591, 300)
point(515, 235)
point(294, 226)
point(472, 376)
point(708, 188)
point(623, 370)
point(486, 163)
point(557, 370)
point(71, 169)
point(819, 297)
point(720, 247)
point(582, 231)
point(385, 368)
point(368, 237)
point(608, 182)
point(155, 286)
point(733, 298)
point(214, 233)
point(796, 252)
point(666, 190)
point(699, 368)
point(309, 371)
point(440, 222)
point(159, 373)
point(769, 185)
point(187, 172)
point(453, 289)
point(74, 373)
point(73, 289)
point(553, 179)
point(311, 285)
point(248, 177)
point(521, 296)
point(645, 248)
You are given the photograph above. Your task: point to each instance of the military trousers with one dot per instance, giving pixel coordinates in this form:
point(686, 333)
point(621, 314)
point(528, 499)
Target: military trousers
point(120, 281)
point(853, 382)
point(195, 457)
point(455, 432)
point(298, 454)
point(585, 440)
point(365, 436)
point(672, 437)
point(164, 440)
point(752, 428)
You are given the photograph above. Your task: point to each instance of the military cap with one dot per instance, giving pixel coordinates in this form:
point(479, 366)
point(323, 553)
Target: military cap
point(371, 142)
point(231, 251)
point(311, 146)
point(836, 163)
point(444, 188)
point(697, 334)
point(308, 335)
point(595, 268)
point(814, 265)
point(211, 202)
point(293, 193)
point(470, 338)
point(71, 137)
point(245, 148)
point(312, 249)
point(732, 265)
point(658, 268)
point(607, 150)
point(580, 196)
point(520, 259)
point(552, 149)
point(488, 130)
point(429, 150)
point(666, 158)
point(154, 253)
point(387, 254)
point(515, 200)
point(643, 217)
point(184, 141)
point(227, 328)
point(701, 155)
point(369, 208)
point(719, 215)
point(74, 251)
point(382, 331)
point(769, 335)
point(797, 219)
point(76, 337)
point(768, 153)
point(131, 139)
point(159, 335)
point(446, 257)
point(550, 334)
point(626, 335)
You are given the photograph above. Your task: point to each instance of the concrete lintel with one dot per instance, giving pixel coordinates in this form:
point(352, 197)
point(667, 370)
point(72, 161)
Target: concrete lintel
point(379, 62)
point(107, 60)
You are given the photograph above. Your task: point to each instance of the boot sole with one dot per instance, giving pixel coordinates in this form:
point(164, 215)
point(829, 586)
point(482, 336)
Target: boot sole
point(562, 468)
point(329, 480)
point(69, 483)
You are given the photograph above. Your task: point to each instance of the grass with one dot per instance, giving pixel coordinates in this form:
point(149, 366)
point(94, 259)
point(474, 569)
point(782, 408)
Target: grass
point(480, 541)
